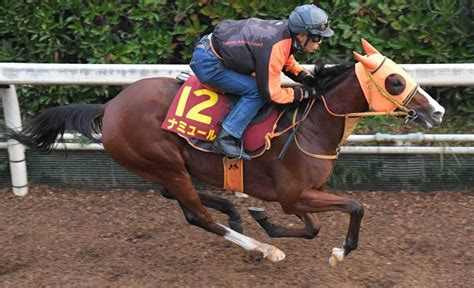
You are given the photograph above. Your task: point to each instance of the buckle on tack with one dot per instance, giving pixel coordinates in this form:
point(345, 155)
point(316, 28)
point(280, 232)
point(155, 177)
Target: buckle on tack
point(411, 115)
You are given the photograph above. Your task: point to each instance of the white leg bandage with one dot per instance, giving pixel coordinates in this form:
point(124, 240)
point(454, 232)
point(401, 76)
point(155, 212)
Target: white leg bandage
point(269, 252)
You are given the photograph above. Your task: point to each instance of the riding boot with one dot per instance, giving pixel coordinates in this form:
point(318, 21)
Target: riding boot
point(228, 145)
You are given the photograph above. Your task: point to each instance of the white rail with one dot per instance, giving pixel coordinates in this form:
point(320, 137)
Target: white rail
point(121, 74)
point(412, 137)
point(406, 150)
point(83, 74)
point(103, 74)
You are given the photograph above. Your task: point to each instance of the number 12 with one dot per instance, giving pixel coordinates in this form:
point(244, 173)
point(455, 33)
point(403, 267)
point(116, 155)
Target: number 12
point(195, 112)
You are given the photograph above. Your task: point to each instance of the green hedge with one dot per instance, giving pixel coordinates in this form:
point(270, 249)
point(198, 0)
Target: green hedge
point(158, 31)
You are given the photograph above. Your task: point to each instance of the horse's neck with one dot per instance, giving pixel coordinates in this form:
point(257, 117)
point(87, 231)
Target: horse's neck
point(322, 132)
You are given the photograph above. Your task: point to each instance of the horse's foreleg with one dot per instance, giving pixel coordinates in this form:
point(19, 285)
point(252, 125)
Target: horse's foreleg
point(314, 201)
point(310, 230)
point(220, 204)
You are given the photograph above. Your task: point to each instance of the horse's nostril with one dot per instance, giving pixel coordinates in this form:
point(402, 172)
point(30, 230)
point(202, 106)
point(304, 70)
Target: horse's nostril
point(438, 115)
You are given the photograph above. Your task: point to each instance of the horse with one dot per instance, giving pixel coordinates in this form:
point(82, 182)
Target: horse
point(130, 133)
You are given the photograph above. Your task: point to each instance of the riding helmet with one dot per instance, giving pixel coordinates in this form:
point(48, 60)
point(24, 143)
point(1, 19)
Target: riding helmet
point(309, 19)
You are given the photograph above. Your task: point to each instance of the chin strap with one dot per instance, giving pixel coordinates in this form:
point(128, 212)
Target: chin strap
point(306, 43)
point(296, 45)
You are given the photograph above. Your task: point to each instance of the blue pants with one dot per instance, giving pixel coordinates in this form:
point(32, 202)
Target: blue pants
point(211, 71)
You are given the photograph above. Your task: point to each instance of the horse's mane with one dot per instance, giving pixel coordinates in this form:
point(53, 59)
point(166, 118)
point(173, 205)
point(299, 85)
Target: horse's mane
point(328, 75)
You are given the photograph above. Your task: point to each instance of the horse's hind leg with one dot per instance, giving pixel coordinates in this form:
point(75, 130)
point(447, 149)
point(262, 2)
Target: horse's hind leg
point(183, 189)
point(310, 230)
point(219, 204)
point(204, 220)
point(178, 183)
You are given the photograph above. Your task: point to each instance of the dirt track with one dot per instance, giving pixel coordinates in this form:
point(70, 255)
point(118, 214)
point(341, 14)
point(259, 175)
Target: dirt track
point(127, 238)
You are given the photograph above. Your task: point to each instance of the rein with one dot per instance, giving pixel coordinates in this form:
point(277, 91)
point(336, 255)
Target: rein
point(294, 125)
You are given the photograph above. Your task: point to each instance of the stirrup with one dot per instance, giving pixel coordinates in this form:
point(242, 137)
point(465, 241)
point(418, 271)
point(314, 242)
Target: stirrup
point(242, 152)
point(183, 76)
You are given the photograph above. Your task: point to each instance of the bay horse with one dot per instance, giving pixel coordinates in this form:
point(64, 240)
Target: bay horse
point(131, 134)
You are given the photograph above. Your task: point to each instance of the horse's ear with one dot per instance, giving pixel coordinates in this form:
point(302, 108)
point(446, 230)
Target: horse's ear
point(368, 48)
point(368, 63)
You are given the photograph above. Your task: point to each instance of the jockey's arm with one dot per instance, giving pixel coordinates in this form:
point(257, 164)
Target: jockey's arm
point(268, 72)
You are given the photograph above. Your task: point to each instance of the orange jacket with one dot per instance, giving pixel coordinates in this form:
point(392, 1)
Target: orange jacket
point(262, 47)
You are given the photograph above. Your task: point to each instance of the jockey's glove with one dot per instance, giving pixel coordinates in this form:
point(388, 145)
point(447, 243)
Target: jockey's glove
point(305, 77)
point(310, 93)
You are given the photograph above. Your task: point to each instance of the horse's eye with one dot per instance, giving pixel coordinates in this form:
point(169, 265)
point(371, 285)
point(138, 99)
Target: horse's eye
point(395, 84)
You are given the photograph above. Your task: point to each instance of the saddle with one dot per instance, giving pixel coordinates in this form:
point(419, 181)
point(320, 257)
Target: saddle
point(197, 111)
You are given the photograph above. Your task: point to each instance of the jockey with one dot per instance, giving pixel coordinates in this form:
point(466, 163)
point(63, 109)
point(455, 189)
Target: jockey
point(246, 58)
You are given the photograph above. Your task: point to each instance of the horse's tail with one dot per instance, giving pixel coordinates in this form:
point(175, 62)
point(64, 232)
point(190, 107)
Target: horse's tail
point(41, 133)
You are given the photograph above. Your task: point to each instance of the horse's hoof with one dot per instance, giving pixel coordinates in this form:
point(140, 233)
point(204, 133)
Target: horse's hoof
point(333, 261)
point(274, 254)
point(337, 256)
point(257, 213)
point(240, 195)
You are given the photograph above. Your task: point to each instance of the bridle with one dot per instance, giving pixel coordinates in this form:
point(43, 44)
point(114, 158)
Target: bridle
point(409, 114)
point(352, 119)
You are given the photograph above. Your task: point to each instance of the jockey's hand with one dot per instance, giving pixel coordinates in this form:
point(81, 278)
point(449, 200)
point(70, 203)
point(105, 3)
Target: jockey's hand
point(306, 78)
point(310, 93)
